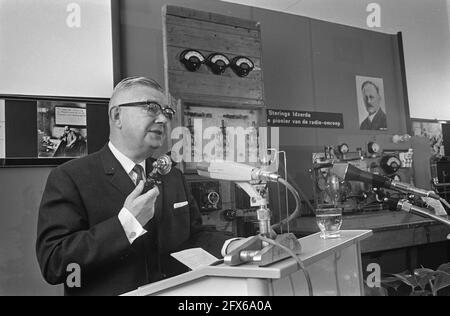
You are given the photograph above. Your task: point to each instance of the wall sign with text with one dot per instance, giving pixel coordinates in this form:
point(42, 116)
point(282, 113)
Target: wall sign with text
point(288, 118)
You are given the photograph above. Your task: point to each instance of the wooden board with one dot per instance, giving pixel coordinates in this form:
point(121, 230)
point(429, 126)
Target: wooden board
point(207, 25)
point(208, 17)
point(182, 36)
point(221, 86)
point(212, 33)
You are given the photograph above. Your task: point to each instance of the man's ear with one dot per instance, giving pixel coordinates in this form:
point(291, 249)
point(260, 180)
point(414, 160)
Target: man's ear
point(114, 116)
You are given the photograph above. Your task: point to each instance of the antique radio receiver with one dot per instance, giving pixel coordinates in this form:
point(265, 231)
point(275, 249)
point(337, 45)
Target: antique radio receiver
point(373, 157)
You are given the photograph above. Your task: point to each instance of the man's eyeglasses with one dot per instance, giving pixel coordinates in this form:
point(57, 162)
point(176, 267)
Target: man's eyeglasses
point(152, 108)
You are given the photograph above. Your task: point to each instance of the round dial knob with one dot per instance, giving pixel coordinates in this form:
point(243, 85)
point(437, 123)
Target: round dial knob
point(192, 59)
point(390, 164)
point(343, 149)
point(213, 198)
point(373, 148)
point(218, 63)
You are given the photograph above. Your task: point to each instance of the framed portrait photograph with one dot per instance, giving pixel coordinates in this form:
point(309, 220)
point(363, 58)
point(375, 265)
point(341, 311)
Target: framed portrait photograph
point(371, 103)
point(62, 129)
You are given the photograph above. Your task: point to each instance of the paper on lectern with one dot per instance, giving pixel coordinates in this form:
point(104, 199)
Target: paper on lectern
point(194, 258)
point(436, 205)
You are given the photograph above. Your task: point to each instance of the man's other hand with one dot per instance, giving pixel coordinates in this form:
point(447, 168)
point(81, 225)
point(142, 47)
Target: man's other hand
point(142, 207)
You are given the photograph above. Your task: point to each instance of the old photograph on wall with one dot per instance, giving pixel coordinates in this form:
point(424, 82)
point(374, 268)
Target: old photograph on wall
point(62, 129)
point(432, 131)
point(371, 103)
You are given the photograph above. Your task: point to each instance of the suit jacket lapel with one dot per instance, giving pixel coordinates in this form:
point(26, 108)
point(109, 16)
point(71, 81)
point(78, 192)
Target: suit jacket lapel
point(115, 172)
point(122, 182)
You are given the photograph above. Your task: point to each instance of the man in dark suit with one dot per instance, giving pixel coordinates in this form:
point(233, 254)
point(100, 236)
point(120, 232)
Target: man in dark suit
point(376, 119)
point(94, 213)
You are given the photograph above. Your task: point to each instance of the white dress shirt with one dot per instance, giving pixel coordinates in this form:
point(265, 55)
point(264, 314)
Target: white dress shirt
point(130, 225)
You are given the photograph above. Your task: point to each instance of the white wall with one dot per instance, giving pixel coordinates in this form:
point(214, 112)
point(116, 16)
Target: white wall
point(426, 34)
point(41, 55)
point(448, 13)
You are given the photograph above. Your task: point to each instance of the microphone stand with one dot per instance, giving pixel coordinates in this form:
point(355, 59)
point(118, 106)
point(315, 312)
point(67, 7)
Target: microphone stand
point(405, 205)
point(257, 250)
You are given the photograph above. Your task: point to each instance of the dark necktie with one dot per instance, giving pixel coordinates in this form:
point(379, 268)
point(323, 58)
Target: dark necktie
point(139, 171)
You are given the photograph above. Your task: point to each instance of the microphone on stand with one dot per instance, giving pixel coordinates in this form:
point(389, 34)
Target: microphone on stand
point(233, 171)
point(349, 172)
point(407, 206)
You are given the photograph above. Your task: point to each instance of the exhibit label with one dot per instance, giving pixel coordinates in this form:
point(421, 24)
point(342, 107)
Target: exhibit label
point(289, 118)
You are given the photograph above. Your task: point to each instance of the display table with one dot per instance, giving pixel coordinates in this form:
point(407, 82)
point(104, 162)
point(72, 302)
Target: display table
point(334, 266)
point(391, 230)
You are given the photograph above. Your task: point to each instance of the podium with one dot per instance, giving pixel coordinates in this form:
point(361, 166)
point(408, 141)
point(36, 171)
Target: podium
point(334, 266)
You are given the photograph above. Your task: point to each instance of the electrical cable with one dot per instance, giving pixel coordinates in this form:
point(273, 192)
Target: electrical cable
point(296, 258)
point(279, 205)
point(337, 257)
point(300, 191)
point(296, 212)
point(286, 195)
point(291, 282)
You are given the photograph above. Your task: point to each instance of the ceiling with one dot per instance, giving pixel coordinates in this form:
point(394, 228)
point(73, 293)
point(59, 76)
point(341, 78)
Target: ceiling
point(349, 12)
point(277, 5)
point(355, 12)
point(299, 7)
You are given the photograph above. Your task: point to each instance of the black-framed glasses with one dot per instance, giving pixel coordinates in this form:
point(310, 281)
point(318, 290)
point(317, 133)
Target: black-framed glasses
point(152, 108)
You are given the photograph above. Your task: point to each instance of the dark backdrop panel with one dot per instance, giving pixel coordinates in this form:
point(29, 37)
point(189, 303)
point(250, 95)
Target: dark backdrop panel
point(446, 136)
point(340, 54)
point(21, 129)
point(98, 126)
point(314, 69)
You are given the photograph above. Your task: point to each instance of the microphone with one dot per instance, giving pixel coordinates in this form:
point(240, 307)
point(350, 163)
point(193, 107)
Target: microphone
point(405, 205)
point(349, 172)
point(232, 171)
point(161, 167)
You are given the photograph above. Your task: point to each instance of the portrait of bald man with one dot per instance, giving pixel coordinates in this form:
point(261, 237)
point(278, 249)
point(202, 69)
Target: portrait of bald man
point(95, 213)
